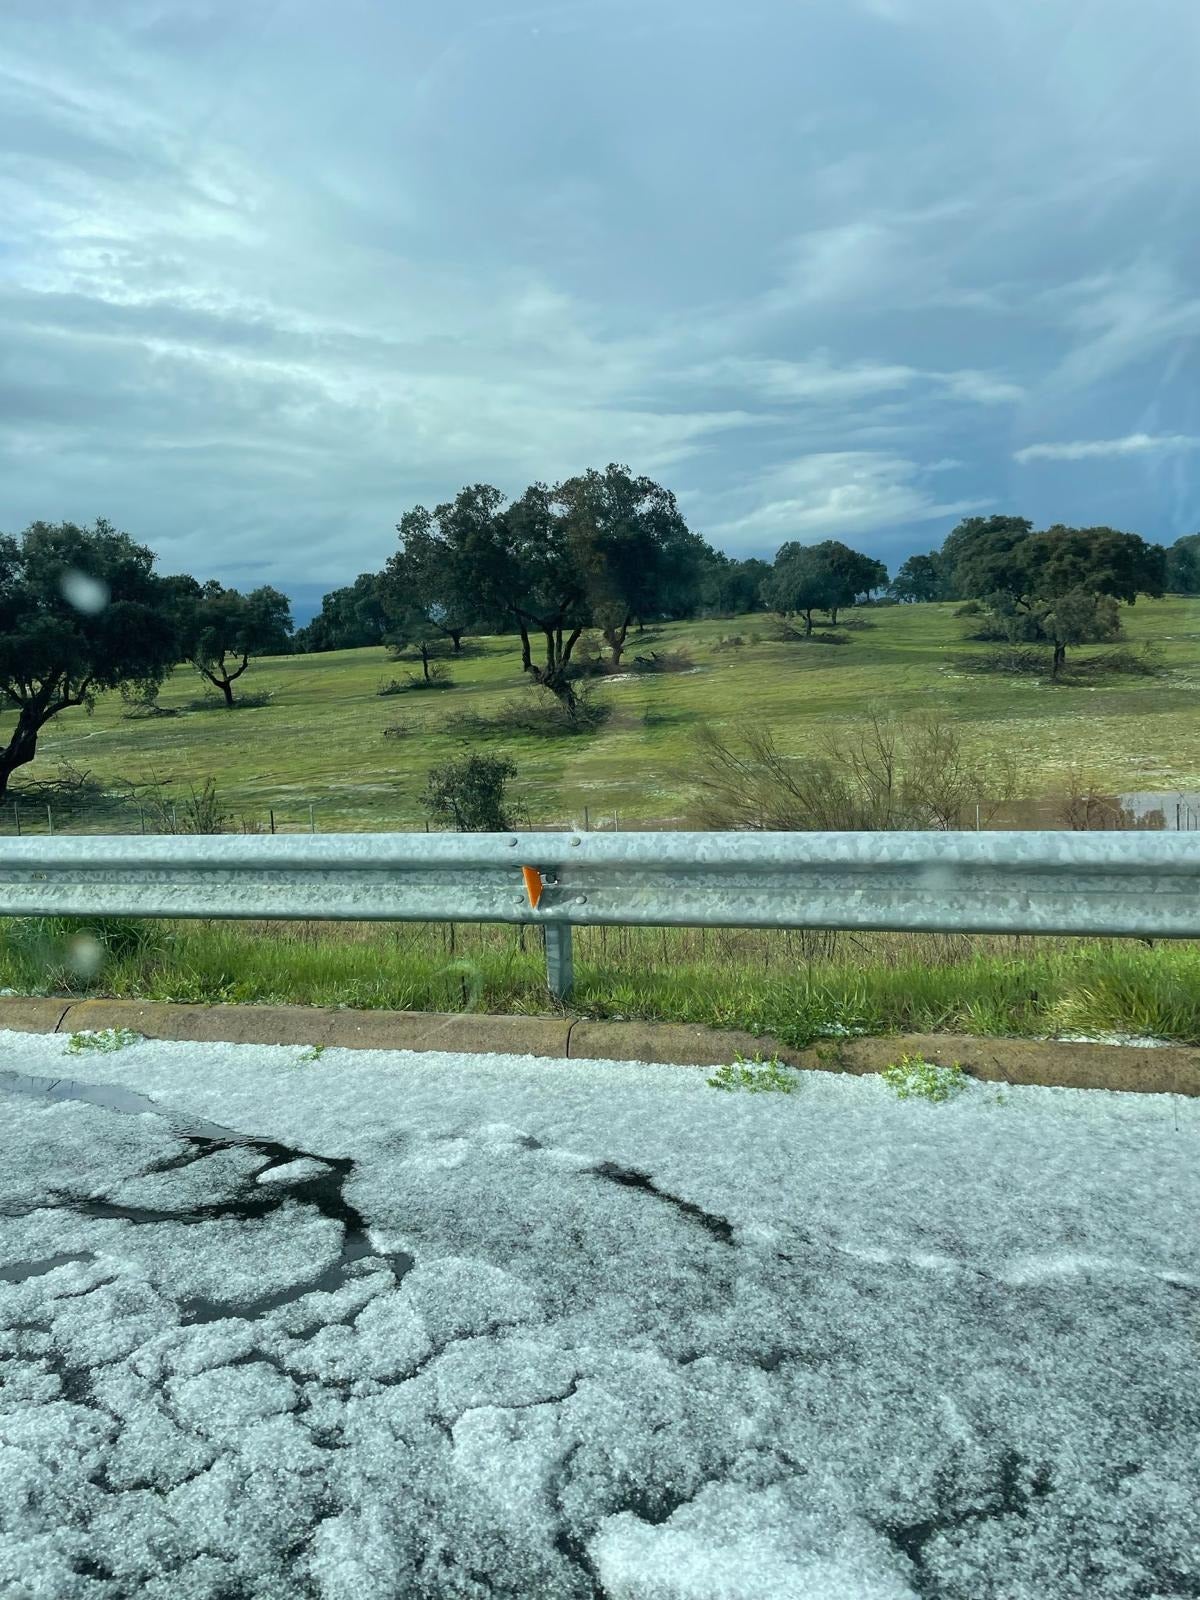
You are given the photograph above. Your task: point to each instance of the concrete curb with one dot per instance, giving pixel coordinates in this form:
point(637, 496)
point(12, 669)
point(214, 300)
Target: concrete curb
point(1165, 1070)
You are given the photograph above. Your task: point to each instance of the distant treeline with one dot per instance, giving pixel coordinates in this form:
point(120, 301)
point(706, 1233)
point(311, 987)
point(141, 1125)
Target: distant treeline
point(82, 610)
point(629, 534)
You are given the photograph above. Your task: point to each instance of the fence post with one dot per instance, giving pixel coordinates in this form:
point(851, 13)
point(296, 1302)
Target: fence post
point(142, 818)
point(17, 818)
point(272, 816)
point(560, 968)
point(312, 821)
point(977, 816)
point(49, 819)
point(585, 819)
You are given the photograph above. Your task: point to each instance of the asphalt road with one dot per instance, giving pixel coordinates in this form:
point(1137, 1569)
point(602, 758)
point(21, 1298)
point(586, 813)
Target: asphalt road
point(381, 1324)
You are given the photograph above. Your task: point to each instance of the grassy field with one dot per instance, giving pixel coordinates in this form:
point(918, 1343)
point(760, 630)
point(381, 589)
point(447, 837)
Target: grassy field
point(798, 985)
point(321, 739)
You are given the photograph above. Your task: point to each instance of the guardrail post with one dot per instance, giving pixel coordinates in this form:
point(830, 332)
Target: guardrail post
point(560, 968)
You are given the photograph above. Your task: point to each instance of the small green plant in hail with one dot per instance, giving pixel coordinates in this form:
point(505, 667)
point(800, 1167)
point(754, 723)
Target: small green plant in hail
point(313, 1053)
point(755, 1075)
point(106, 1039)
point(912, 1075)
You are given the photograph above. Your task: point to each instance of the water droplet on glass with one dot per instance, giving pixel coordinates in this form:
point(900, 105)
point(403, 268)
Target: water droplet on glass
point(85, 955)
point(86, 594)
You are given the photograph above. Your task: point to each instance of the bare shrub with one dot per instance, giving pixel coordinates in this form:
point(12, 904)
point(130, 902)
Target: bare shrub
point(881, 773)
point(783, 631)
point(1084, 806)
point(664, 661)
point(251, 700)
point(438, 678)
point(729, 641)
point(1145, 661)
point(141, 701)
point(989, 631)
point(544, 715)
point(1015, 661)
point(587, 660)
point(198, 811)
point(74, 789)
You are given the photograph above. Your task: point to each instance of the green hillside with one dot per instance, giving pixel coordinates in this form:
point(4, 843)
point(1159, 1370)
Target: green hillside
point(321, 739)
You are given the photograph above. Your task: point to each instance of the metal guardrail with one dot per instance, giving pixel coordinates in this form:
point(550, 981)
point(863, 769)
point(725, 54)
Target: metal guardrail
point(1122, 884)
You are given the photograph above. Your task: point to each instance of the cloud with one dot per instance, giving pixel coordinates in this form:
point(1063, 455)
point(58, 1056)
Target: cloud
point(984, 388)
point(830, 495)
point(266, 281)
point(1133, 444)
point(820, 379)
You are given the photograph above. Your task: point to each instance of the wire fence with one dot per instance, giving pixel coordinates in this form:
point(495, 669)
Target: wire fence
point(24, 816)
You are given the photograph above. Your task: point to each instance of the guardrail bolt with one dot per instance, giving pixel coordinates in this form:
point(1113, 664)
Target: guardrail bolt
point(575, 841)
point(581, 899)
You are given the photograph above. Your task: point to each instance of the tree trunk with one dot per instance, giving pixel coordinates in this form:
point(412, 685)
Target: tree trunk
point(615, 639)
point(226, 687)
point(1060, 656)
point(456, 639)
point(21, 749)
point(807, 623)
point(526, 657)
point(553, 675)
point(425, 660)
point(833, 611)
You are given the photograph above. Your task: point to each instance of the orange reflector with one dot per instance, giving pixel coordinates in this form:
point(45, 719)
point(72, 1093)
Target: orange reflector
point(533, 885)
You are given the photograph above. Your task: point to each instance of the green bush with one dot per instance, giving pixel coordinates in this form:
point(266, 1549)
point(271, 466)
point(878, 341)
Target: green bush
point(912, 1075)
point(470, 794)
point(758, 1076)
point(104, 1039)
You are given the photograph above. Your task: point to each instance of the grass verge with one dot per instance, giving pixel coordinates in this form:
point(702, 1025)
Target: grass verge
point(800, 987)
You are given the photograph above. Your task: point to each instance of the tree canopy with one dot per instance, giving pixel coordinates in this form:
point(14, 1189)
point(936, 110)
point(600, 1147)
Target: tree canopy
point(820, 577)
point(427, 583)
point(1183, 565)
point(599, 549)
point(730, 587)
point(81, 611)
point(975, 555)
point(349, 619)
point(1060, 586)
point(220, 629)
point(921, 578)
point(635, 553)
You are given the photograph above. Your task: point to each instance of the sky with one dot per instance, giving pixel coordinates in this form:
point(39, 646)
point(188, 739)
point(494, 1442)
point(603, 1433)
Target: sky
point(271, 275)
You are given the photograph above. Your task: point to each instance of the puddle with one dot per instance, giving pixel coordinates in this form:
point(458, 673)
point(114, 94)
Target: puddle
point(1180, 810)
point(112, 1097)
point(316, 1181)
point(1167, 810)
point(21, 1270)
